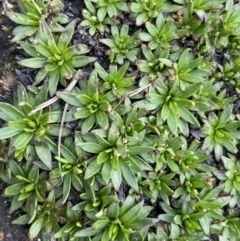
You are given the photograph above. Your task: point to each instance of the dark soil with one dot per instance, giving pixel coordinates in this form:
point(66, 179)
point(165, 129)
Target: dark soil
point(8, 231)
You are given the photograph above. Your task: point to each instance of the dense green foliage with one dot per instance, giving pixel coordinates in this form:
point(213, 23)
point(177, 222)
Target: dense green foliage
point(143, 146)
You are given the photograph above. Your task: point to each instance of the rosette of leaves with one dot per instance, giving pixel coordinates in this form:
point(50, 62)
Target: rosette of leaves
point(47, 217)
point(116, 157)
point(173, 232)
point(191, 184)
point(73, 224)
point(218, 32)
point(230, 178)
point(122, 45)
point(92, 105)
point(95, 201)
point(184, 216)
point(146, 10)
point(31, 135)
point(166, 146)
point(120, 222)
point(161, 34)
point(207, 97)
point(71, 165)
point(111, 8)
point(26, 184)
point(159, 185)
point(187, 70)
point(115, 81)
point(190, 159)
point(212, 204)
point(31, 12)
point(196, 14)
point(228, 228)
point(174, 104)
point(53, 56)
point(92, 22)
point(230, 71)
point(154, 63)
point(220, 131)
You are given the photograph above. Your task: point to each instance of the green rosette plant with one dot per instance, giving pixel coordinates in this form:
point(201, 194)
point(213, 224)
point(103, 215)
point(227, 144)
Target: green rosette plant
point(92, 22)
point(161, 34)
point(92, 105)
point(116, 156)
point(115, 81)
point(230, 177)
point(31, 12)
point(220, 131)
point(122, 45)
point(27, 184)
point(120, 222)
point(175, 106)
point(111, 8)
point(53, 56)
point(31, 135)
point(185, 216)
point(95, 200)
point(71, 165)
point(46, 217)
point(146, 10)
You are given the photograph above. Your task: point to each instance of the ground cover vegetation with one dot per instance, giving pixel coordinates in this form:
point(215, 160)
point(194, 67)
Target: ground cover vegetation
point(137, 143)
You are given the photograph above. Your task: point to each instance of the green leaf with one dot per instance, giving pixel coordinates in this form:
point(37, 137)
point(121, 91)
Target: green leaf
point(66, 187)
point(21, 19)
point(151, 29)
point(54, 129)
point(106, 171)
point(172, 123)
point(53, 81)
point(100, 224)
point(22, 220)
point(87, 232)
point(35, 63)
point(43, 49)
point(116, 178)
point(102, 119)
point(75, 50)
point(8, 132)
point(145, 37)
point(113, 210)
point(44, 155)
point(224, 116)
point(128, 203)
point(22, 140)
point(103, 157)
point(82, 113)
point(134, 150)
point(29, 49)
point(141, 18)
point(44, 33)
point(92, 169)
point(35, 228)
point(232, 126)
point(69, 98)
point(132, 214)
point(91, 147)
point(188, 116)
point(129, 176)
point(14, 189)
point(101, 13)
point(110, 43)
point(9, 112)
point(80, 61)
